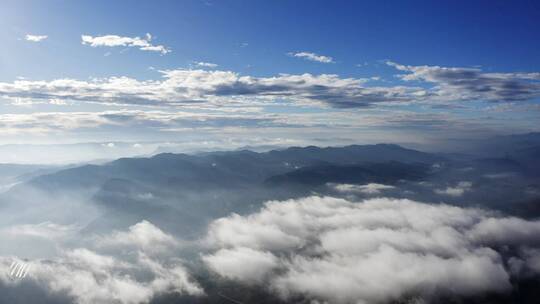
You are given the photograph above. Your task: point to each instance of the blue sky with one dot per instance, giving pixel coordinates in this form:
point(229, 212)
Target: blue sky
point(499, 35)
point(399, 71)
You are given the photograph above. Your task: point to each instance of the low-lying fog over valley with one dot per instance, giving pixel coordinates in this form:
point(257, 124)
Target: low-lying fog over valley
point(372, 223)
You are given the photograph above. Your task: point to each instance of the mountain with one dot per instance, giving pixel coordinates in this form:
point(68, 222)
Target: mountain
point(500, 146)
point(223, 169)
point(11, 174)
point(529, 158)
point(384, 173)
point(355, 154)
point(185, 191)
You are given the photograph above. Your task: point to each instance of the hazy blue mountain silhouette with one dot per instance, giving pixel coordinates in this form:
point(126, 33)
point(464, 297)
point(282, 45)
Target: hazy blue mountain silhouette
point(385, 173)
point(183, 192)
point(224, 169)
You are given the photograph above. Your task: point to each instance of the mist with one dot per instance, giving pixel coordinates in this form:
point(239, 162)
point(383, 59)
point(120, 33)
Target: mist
point(355, 224)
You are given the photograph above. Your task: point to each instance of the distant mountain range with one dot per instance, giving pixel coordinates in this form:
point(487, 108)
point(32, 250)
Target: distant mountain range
point(226, 169)
point(185, 191)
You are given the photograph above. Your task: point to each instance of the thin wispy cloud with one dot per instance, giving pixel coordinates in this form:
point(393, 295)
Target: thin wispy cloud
point(245, 121)
point(456, 191)
point(206, 64)
point(35, 38)
point(60, 122)
point(143, 44)
point(372, 188)
point(312, 57)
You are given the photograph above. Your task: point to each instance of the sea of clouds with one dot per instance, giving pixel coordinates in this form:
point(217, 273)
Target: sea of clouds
point(374, 251)
point(320, 248)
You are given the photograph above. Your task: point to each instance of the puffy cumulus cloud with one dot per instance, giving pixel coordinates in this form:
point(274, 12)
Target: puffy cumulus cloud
point(124, 269)
point(313, 57)
point(453, 83)
point(181, 87)
point(507, 231)
point(375, 251)
point(142, 235)
point(144, 44)
point(255, 264)
point(371, 188)
point(528, 264)
point(35, 38)
point(455, 191)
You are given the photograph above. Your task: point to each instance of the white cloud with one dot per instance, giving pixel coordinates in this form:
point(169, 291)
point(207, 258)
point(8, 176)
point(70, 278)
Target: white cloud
point(35, 38)
point(313, 57)
point(457, 84)
point(371, 188)
point(375, 251)
point(144, 44)
point(61, 122)
point(255, 264)
point(241, 122)
point(206, 64)
point(181, 87)
point(142, 235)
point(58, 102)
point(456, 191)
point(125, 275)
point(47, 230)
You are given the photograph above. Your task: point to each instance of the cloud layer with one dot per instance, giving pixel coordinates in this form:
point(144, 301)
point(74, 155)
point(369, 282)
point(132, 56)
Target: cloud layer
point(218, 87)
point(183, 86)
point(454, 83)
point(375, 251)
point(51, 122)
